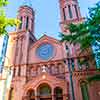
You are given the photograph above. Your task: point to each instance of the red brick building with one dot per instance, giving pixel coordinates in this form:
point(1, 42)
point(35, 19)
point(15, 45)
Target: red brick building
point(47, 69)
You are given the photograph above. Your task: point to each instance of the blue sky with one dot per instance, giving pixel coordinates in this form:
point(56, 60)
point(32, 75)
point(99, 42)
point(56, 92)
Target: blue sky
point(47, 15)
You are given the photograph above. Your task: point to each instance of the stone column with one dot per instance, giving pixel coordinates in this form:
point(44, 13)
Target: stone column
point(24, 22)
point(16, 71)
point(52, 93)
point(64, 97)
point(36, 94)
point(77, 90)
point(25, 97)
point(76, 64)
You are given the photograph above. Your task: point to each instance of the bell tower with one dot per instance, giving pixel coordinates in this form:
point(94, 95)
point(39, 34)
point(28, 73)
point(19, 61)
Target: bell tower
point(70, 13)
point(26, 16)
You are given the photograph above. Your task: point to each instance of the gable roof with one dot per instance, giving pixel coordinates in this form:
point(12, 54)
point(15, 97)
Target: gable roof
point(45, 37)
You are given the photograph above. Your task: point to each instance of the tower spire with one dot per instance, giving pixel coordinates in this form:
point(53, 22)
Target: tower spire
point(27, 3)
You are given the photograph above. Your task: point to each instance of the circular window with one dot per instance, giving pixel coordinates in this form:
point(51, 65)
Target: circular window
point(45, 51)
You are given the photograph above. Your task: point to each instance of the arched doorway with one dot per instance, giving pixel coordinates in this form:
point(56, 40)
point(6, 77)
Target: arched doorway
point(58, 93)
point(31, 94)
point(44, 92)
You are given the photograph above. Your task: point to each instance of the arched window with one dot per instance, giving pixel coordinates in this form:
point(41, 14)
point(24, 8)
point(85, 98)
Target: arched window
point(44, 90)
point(61, 68)
point(84, 90)
point(11, 94)
point(55, 70)
point(72, 63)
point(58, 92)
point(64, 14)
point(27, 22)
point(67, 50)
point(76, 10)
point(70, 11)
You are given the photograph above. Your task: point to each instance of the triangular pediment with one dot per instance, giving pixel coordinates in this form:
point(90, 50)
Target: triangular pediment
point(45, 39)
point(55, 52)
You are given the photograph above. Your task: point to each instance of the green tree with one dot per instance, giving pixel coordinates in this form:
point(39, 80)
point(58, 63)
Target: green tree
point(88, 31)
point(4, 21)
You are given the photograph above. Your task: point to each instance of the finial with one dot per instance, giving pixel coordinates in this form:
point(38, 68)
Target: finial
point(27, 3)
point(43, 69)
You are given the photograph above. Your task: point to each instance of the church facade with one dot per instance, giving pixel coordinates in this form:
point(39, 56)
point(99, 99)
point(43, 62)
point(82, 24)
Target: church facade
point(48, 69)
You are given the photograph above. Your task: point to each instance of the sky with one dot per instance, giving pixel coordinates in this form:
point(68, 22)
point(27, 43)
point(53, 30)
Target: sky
point(47, 14)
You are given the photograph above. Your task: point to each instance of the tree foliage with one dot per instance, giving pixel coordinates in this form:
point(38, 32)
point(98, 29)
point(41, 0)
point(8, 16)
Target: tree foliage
point(4, 21)
point(94, 78)
point(87, 32)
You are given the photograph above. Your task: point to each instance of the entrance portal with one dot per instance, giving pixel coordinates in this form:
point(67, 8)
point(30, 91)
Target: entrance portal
point(44, 92)
point(58, 92)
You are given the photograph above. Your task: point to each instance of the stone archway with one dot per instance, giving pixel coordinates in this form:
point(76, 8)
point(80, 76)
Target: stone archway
point(44, 92)
point(44, 87)
point(30, 94)
point(58, 93)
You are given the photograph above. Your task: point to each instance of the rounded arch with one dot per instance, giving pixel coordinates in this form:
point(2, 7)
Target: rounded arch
point(35, 85)
point(58, 92)
point(30, 92)
point(67, 49)
point(83, 81)
point(44, 89)
point(61, 68)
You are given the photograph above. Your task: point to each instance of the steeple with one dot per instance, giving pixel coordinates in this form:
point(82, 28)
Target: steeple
point(26, 15)
point(70, 13)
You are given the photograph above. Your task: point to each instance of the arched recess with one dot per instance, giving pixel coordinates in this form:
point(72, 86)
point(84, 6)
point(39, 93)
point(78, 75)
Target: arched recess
point(67, 50)
point(84, 90)
point(58, 93)
point(11, 94)
point(30, 94)
point(44, 92)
